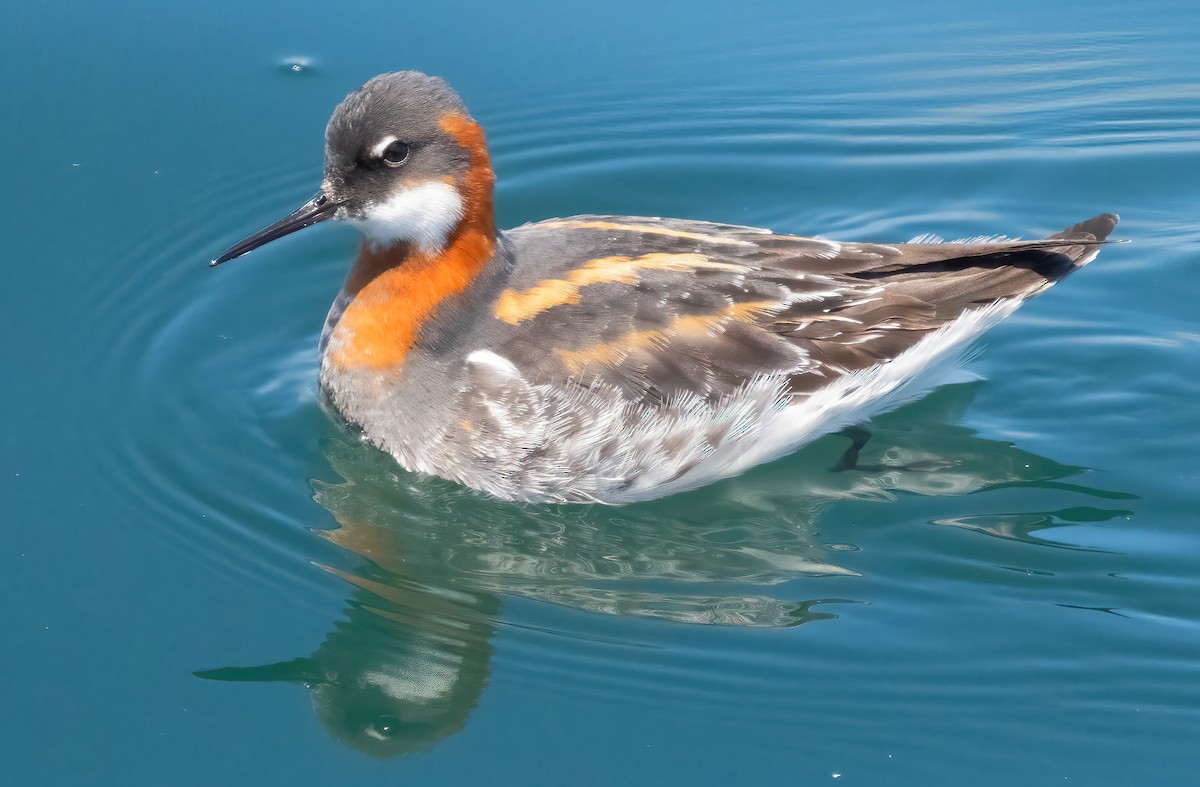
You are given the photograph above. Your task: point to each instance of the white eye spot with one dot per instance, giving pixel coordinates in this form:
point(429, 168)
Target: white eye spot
point(390, 151)
point(381, 145)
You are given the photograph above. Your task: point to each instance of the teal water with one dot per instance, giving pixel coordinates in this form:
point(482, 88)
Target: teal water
point(1007, 592)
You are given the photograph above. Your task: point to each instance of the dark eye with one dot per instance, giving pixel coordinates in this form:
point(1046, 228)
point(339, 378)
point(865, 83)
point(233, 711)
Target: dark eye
point(396, 153)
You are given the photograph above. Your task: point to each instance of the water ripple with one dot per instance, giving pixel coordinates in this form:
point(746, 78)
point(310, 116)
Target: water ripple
point(216, 373)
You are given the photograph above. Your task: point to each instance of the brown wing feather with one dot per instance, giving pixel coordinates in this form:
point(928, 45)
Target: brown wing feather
point(659, 307)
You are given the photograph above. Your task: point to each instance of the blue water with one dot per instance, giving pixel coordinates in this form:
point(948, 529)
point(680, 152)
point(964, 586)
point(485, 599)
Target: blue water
point(1005, 594)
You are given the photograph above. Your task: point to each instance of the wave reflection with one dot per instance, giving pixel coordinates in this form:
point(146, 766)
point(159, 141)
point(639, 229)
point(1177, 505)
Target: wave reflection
point(430, 565)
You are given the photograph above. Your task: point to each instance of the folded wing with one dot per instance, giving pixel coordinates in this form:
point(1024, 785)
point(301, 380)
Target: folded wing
point(658, 308)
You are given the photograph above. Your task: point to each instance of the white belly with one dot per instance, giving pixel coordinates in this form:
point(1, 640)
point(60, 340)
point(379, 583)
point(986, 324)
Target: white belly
point(578, 444)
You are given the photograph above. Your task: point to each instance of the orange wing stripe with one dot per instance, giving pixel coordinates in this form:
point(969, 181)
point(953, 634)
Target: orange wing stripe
point(515, 306)
point(615, 352)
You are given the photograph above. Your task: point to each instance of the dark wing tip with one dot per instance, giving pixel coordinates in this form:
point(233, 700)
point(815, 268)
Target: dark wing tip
point(1096, 228)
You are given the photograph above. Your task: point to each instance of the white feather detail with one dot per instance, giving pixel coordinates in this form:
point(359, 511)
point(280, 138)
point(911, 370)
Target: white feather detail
point(983, 240)
point(926, 237)
point(590, 443)
point(497, 363)
point(381, 146)
point(987, 240)
point(423, 215)
point(851, 399)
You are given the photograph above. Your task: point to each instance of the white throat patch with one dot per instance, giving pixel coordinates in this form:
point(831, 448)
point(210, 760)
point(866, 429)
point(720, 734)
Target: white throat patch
point(424, 216)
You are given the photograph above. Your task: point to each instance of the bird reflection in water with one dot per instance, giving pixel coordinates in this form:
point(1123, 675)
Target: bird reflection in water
point(405, 667)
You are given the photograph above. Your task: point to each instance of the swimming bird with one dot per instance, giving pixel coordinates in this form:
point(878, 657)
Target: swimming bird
point(614, 359)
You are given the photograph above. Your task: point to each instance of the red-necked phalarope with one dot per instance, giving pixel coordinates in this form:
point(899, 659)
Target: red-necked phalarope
point(614, 358)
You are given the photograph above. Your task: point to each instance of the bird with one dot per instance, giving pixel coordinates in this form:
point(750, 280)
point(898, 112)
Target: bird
point(616, 359)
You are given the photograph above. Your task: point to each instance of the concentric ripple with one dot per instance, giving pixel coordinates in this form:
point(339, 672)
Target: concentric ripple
point(707, 597)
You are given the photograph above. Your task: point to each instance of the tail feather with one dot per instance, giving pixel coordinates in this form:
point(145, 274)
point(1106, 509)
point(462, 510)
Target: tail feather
point(1092, 233)
point(1096, 228)
point(956, 277)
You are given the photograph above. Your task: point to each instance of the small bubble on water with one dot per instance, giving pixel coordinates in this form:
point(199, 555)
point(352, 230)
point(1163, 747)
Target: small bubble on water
point(297, 65)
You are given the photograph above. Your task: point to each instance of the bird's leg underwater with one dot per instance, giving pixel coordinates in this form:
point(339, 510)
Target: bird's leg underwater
point(849, 460)
point(859, 436)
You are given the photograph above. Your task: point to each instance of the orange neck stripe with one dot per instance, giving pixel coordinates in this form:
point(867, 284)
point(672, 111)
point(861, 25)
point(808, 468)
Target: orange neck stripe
point(396, 290)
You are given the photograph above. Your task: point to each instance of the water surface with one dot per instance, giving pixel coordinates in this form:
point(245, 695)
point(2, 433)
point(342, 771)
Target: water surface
point(1003, 591)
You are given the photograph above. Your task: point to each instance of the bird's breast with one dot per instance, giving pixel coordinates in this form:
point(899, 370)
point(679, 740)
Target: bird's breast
point(389, 297)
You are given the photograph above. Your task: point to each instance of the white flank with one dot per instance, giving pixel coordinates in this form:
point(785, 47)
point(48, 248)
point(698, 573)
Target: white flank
point(423, 215)
point(556, 443)
point(852, 399)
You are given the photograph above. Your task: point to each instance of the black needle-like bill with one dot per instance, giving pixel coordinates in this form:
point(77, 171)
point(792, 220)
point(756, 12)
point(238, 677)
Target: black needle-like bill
point(315, 210)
